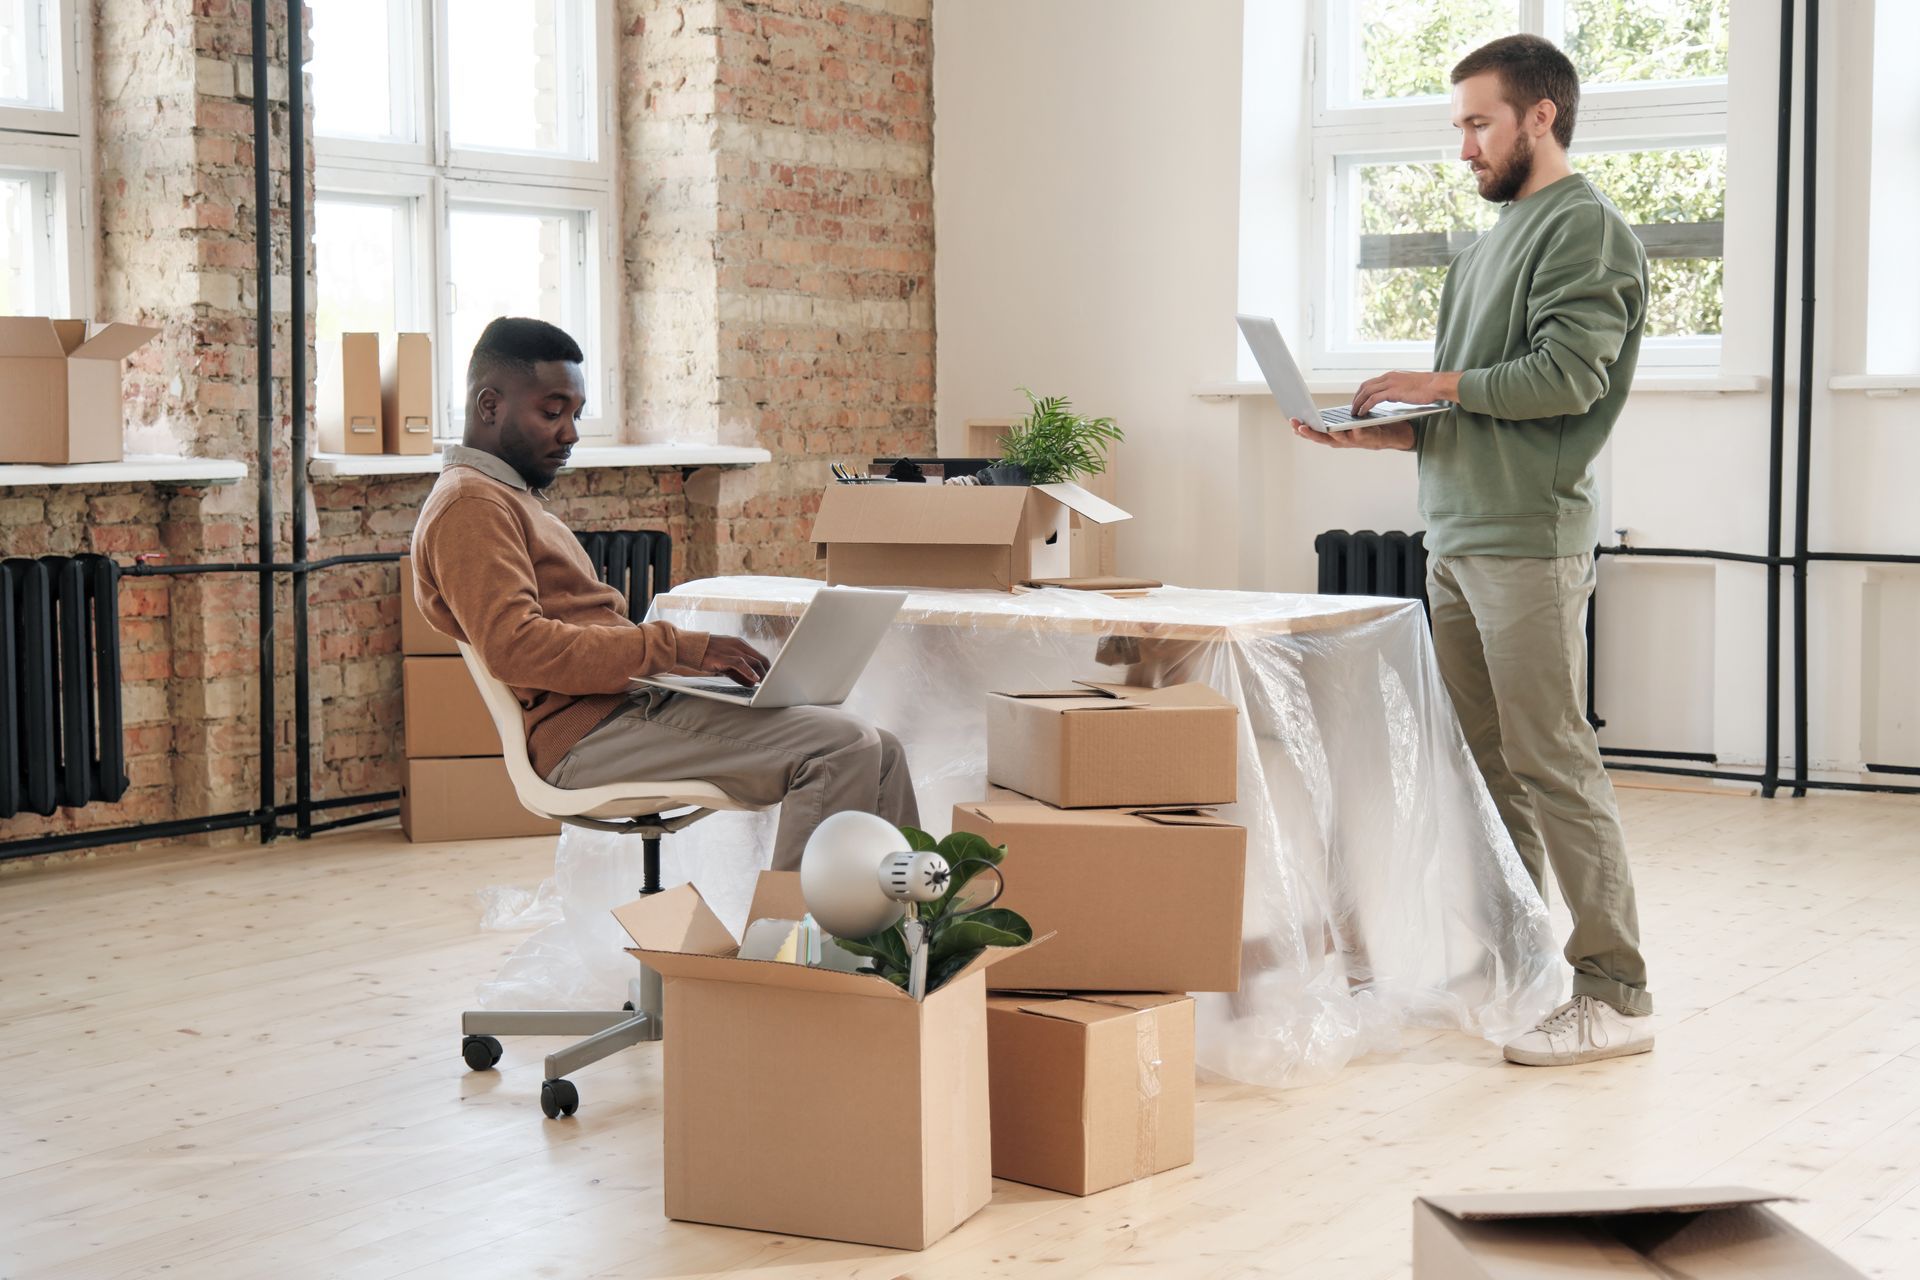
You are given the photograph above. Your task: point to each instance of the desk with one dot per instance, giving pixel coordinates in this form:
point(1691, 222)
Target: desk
point(1382, 890)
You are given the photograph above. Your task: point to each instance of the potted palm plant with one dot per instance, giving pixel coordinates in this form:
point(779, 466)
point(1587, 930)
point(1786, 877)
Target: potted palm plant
point(1052, 444)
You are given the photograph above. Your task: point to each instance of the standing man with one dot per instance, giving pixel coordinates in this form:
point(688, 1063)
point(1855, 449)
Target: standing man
point(1539, 330)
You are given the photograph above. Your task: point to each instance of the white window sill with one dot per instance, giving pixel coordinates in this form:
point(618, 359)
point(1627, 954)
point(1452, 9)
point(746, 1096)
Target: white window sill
point(1645, 381)
point(136, 467)
point(1877, 385)
point(330, 466)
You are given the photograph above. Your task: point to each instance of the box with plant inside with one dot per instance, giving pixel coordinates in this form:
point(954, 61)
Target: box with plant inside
point(959, 925)
point(1053, 444)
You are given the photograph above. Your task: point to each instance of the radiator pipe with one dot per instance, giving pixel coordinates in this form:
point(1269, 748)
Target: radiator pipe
point(1777, 389)
point(175, 828)
point(297, 397)
point(263, 411)
point(1803, 460)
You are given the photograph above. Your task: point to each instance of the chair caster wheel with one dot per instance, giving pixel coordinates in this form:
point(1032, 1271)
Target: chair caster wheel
point(481, 1052)
point(559, 1098)
point(628, 1006)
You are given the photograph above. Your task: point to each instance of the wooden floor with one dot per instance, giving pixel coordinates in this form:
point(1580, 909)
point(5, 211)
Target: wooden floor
point(244, 1063)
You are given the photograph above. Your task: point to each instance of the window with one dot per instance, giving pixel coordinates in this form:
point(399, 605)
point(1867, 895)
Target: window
point(44, 153)
point(465, 171)
point(1393, 203)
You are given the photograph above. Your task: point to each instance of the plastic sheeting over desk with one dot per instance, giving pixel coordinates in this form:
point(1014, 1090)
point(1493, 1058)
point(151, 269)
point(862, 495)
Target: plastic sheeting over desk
point(1382, 890)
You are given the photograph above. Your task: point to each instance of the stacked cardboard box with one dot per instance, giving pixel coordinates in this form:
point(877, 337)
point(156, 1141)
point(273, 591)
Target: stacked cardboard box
point(455, 786)
point(1112, 847)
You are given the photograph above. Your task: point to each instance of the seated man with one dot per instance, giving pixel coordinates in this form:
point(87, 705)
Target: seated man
point(492, 567)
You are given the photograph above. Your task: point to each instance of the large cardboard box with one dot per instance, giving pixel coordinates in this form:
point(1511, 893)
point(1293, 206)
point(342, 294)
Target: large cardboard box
point(470, 799)
point(417, 636)
point(349, 383)
point(1090, 1092)
point(1102, 746)
point(1094, 549)
point(964, 536)
point(444, 713)
point(808, 1102)
point(60, 391)
point(1704, 1233)
point(1135, 901)
point(406, 393)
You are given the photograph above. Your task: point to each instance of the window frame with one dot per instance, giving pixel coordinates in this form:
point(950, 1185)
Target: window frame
point(1655, 115)
point(439, 176)
point(59, 143)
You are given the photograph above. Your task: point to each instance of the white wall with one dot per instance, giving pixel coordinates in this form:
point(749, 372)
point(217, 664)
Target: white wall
point(1102, 206)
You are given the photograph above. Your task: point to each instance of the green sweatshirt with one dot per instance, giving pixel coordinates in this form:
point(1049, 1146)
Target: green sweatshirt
point(1543, 316)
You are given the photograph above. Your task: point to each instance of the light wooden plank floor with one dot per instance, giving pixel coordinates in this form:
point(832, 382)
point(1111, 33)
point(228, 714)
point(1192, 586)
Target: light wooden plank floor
point(243, 1063)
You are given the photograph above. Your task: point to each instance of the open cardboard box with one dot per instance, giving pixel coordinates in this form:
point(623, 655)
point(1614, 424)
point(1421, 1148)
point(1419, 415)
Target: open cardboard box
point(1090, 1092)
point(1703, 1233)
point(809, 1102)
point(1135, 900)
point(61, 389)
point(964, 536)
point(1114, 745)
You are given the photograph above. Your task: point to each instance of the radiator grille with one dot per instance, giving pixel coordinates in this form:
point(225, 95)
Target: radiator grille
point(1373, 564)
point(638, 563)
point(60, 722)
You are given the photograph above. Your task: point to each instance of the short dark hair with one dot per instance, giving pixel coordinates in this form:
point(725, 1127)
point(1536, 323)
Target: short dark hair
point(519, 343)
point(1530, 68)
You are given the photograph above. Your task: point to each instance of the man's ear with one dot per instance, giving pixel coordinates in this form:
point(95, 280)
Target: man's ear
point(1544, 114)
point(488, 405)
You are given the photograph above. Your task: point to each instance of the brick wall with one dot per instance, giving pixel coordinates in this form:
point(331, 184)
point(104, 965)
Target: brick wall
point(775, 161)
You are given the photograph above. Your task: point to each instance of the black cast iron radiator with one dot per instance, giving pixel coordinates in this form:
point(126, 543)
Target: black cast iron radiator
point(60, 731)
point(638, 563)
point(1373, 564)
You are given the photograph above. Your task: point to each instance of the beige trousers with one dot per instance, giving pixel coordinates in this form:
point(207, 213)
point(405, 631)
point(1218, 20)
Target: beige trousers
point(1510, 634)
point(811, 761)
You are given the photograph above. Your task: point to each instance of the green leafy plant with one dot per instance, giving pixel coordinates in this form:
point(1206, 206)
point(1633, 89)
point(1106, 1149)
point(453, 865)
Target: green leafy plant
point(956, 935)
point(1053, 443)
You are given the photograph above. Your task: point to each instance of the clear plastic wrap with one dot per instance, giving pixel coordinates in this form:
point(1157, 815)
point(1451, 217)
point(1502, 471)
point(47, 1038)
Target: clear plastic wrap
point(1382, 890)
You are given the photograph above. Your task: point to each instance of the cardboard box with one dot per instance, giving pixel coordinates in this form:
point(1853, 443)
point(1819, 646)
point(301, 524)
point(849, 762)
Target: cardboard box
point(1135, 901)
point(1090, 1093)
point(406, 393)
point(808, 1102)
point(1103, 746)
point(444, 714)
point(1094, 547)
point(464, 800)
point(1706, 1233)
point(62, 389)
point(349, 401)
point(965, 536)
point(417, 636)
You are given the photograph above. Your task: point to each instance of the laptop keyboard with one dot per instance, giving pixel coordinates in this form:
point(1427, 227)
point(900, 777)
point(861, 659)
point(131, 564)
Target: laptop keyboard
point(1335, 417)
point(725, 688)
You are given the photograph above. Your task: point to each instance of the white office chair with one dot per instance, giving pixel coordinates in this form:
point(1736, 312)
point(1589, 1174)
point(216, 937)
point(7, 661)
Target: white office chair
point(628, 808)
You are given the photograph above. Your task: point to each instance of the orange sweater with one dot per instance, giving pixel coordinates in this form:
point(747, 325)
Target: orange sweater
point(494, 568)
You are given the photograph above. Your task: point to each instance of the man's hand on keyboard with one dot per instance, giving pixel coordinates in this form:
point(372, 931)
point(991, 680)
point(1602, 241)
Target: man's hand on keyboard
point(734, 658)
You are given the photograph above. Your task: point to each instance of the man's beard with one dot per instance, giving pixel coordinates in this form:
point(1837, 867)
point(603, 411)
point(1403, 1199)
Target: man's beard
point(1505, 181)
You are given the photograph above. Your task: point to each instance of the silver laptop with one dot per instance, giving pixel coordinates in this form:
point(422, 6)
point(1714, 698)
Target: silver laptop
point(820, 662)
point(1290, 388)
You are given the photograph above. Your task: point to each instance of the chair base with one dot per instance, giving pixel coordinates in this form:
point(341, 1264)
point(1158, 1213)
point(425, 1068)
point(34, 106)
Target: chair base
point(607, 1032)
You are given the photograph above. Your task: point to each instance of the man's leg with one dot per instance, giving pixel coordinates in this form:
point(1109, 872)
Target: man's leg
point(1530, 616)
point(1463, 668)
point(812, 761)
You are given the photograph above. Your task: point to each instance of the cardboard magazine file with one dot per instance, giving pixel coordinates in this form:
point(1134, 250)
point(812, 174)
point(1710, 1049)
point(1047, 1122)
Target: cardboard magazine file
point(1135, 901)
point(406, 393)
point(1102, 746)
point(808, 1102)
point(1705, 1233)
point(61, 390)
point(466, 799)
point(417, 636)
point(1090, 1092)
point(444, 713)
point(349, 414)
point(964, 536)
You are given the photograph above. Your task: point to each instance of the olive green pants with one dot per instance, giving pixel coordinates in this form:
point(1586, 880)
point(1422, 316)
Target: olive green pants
point(1510, 634)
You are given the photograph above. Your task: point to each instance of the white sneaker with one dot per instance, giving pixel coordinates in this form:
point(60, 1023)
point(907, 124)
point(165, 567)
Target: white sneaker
point(1581, 1030)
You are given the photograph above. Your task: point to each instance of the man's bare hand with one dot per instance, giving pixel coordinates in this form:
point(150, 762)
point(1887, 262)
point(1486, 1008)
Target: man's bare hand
point(734, 658)
point(1391, 435)
point(1408, 388)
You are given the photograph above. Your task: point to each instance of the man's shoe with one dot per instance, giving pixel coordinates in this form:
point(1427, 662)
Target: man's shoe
point(1581, 1030)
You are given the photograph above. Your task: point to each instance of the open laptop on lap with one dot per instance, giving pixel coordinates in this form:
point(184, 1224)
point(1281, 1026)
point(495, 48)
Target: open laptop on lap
point(820, 662)
point(1289, 387)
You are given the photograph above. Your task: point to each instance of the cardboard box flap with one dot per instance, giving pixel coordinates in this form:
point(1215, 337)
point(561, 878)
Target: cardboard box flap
point(115, 342)
point(1084, 503)
point(1605, 1203)
point(917, 514)
point(678, 921)
point(1046, 695)
point(1183, 817)
point(31, 338)
point(777, 896)
point(768, 973)
point(1191, 694)
point(1083, 1009)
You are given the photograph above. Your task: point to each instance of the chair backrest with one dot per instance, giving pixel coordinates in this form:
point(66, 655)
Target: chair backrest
point(534, 791)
